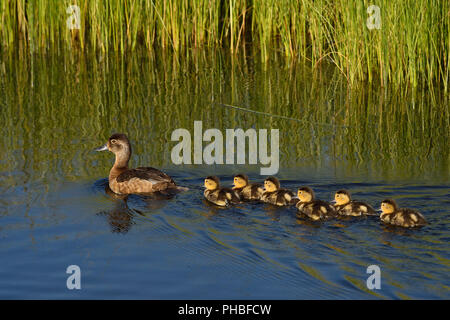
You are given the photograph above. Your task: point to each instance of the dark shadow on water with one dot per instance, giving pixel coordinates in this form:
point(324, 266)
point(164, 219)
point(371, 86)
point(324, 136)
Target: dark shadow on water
point(304, 220)
point(389, 230)
point(120, 218)
point(272, 211)
point(214, 210)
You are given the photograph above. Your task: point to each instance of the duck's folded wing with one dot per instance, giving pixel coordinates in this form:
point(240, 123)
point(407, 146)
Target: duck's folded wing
point(324, 208)
point(364, 208)
point(159, 179)
point(231, 195)
point(211, 196)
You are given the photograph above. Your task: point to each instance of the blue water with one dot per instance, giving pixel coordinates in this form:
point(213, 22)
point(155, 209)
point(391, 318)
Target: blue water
point(185, 248)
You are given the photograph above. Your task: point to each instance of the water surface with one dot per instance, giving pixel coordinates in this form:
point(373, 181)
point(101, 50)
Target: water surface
point(55, 212)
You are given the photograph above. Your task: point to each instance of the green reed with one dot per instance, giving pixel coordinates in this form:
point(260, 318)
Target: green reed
point(412, 47)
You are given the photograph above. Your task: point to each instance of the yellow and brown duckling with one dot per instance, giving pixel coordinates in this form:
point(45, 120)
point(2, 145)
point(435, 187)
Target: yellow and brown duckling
point(217, 195)
point(403, 217)
point(246, 190)
point(123, 180)
point(275, 195)
point(313, 208)
point(345, 206)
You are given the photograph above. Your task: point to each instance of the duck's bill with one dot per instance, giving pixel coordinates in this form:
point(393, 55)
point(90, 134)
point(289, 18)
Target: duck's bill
point(102, 148)
point(333, 201)
point(379, 210)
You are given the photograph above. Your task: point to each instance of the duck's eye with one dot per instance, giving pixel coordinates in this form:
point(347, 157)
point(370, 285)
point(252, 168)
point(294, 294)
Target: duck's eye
point(113, 141)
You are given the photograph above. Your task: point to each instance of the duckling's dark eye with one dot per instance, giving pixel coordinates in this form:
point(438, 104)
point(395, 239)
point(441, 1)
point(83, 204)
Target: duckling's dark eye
point(113, 141)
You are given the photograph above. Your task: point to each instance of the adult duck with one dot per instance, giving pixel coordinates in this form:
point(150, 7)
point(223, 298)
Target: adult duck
point(123, 180)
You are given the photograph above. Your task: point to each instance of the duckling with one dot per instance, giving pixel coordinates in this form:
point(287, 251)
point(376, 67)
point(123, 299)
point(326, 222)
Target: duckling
point(123, 180)
point(403, 217)
point(217, 195)
point(273, 194)
point(345, 206)
point(246, 190)
point(314, 209)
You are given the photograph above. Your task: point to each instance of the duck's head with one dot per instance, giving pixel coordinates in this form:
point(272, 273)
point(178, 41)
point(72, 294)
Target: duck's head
point(271, 184)
point(305, 194)
point(118, 143)
point(342, 197)
point(240, 181)
point(388, 206)
point(212, 183)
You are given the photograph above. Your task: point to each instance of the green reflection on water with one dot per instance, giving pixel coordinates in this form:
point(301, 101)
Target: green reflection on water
point(56, 108)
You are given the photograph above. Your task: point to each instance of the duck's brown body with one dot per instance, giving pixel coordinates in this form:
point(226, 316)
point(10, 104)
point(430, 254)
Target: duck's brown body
point(139, 180)
point(123, 180)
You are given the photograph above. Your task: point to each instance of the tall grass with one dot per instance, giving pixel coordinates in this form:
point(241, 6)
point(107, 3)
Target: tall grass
point(412, 47)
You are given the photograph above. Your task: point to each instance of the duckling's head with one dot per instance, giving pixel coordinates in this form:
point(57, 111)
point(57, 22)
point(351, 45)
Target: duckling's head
point(305, 194)
point(212, 183)
point(271, 184)
point(342, 197)
point(240, 181)
point(388, 206)
point(117, 143)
